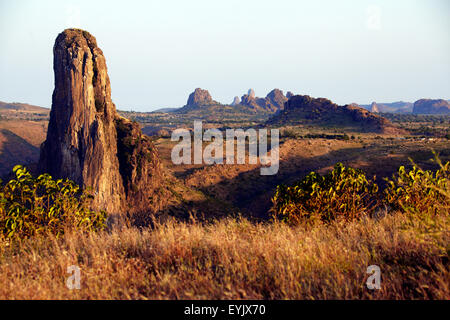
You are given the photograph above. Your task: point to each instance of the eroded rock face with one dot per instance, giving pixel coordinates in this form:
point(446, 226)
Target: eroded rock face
point(199, 97)
point(86, 137)
point(139, 166)
point(276, 98)
point(249, 101)
point(81, 139)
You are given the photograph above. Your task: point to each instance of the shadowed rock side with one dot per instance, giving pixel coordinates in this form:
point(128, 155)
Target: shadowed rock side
point(320, 111)
point(276, 98)
point(15, 150)
point(86, 136)
point(139, 167)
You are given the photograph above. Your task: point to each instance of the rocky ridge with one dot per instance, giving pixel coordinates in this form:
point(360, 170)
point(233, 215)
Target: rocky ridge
point(273, 102)
point(303, 109)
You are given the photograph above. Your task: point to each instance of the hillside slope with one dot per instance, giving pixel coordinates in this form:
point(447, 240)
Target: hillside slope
point(15, 150)
point(430, 106)
point(323, 112)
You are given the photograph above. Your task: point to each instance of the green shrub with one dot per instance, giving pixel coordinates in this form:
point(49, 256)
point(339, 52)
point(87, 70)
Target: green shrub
point(344, 193)
point(289, 133)
point(418, 192)
point(31, 206)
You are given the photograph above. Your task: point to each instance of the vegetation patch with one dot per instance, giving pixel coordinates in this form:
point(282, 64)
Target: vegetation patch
point(421, 193)
point(347, 193)
point(344, 193)
point(31, 206)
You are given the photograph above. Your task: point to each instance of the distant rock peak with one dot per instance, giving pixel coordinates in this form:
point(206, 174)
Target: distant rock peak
point(199, 97)
point(273, 102)
point(276, 98)
point(236, 101)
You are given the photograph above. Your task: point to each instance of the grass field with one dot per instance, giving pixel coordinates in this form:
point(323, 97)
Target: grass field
point(236, 259)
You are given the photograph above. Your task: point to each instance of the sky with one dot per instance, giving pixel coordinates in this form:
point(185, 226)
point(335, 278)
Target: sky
point(158, 52)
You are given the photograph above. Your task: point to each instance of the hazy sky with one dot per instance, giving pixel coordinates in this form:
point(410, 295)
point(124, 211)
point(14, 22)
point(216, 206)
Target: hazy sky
point(158, 52)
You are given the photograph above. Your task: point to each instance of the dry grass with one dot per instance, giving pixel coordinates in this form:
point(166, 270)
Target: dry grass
point(236, 259)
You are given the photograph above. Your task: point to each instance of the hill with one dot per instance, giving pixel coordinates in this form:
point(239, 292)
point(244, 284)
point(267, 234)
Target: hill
point(390, 107)
point(19, 143)
point(16, 110)
point(201, 106)
point(323, 112)
point(218, 113)
point(15, 150)
point(273, 102)
point(430, 106)
point(24, 107)
point(198, 99)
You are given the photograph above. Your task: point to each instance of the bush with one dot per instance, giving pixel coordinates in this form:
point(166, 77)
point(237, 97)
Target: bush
point(344, 193)
point(418, 192)
point(289, 133)
point(31, 206)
